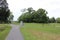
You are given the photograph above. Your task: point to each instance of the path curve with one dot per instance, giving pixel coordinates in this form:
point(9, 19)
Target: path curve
point(15, 33)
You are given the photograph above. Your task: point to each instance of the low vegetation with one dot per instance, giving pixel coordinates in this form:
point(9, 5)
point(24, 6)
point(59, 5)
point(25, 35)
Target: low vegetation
point(36, 31)
point(4, 30)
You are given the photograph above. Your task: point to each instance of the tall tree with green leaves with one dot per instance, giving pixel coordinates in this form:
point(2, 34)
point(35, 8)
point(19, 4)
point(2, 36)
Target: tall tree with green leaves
point(4, 11)
point(41, 16)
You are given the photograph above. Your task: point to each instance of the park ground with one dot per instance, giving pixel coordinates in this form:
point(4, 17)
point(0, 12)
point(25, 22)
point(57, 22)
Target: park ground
point(34, 31)
point(4, 30)
point(37, 31)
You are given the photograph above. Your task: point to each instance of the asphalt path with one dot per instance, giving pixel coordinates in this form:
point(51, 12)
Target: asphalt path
point(15, 33)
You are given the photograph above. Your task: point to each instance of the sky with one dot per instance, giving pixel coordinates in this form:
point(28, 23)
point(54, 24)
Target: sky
point(51, 6)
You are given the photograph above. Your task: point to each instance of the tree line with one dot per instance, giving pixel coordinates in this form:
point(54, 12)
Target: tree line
point(30, 15)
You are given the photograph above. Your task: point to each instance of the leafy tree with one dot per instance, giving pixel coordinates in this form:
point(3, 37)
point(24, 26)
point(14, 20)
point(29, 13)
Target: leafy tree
point(41, 16)
point(30, 9)
point(58, 20)
point(4, 12)
point(52, 20)
point(31, 15)
point(26, 16)
point(10, 17)
point(4, 15)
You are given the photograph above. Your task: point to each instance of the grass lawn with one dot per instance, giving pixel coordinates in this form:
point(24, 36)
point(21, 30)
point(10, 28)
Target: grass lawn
point(4, 30)
point(36, 31)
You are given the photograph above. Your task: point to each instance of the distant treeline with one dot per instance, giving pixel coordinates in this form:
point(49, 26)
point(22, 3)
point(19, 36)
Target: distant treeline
point(30, 15)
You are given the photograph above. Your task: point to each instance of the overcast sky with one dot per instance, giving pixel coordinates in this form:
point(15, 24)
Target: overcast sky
point(52, 6)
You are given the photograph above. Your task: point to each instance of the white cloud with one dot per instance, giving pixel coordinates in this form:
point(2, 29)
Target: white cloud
point(52, 6)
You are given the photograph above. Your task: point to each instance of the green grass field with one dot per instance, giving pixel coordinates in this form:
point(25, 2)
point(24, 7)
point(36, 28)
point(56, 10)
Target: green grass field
point(36, 31)
point(4, 30)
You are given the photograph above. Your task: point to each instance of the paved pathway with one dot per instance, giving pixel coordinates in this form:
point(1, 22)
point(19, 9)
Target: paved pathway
point(15, 33)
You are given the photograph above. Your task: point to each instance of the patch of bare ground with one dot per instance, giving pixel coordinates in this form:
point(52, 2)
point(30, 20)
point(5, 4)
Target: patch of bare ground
point(44, 35)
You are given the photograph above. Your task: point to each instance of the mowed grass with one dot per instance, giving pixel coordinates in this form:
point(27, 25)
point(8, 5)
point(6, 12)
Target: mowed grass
point(36, 31)
point(4, 30)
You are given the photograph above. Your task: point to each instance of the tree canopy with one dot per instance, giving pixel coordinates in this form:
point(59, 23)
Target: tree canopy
point(4, 12)
point(58, 20)
point(39, 16)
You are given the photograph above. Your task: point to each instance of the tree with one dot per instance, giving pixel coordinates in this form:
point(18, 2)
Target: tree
point(4, 11)
point(23, 10)
point(52, 20)
point(26, 16)
point(10, 19)
point(58, 20)
point(39, 16)
point(30, 10)
point(4, 15)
